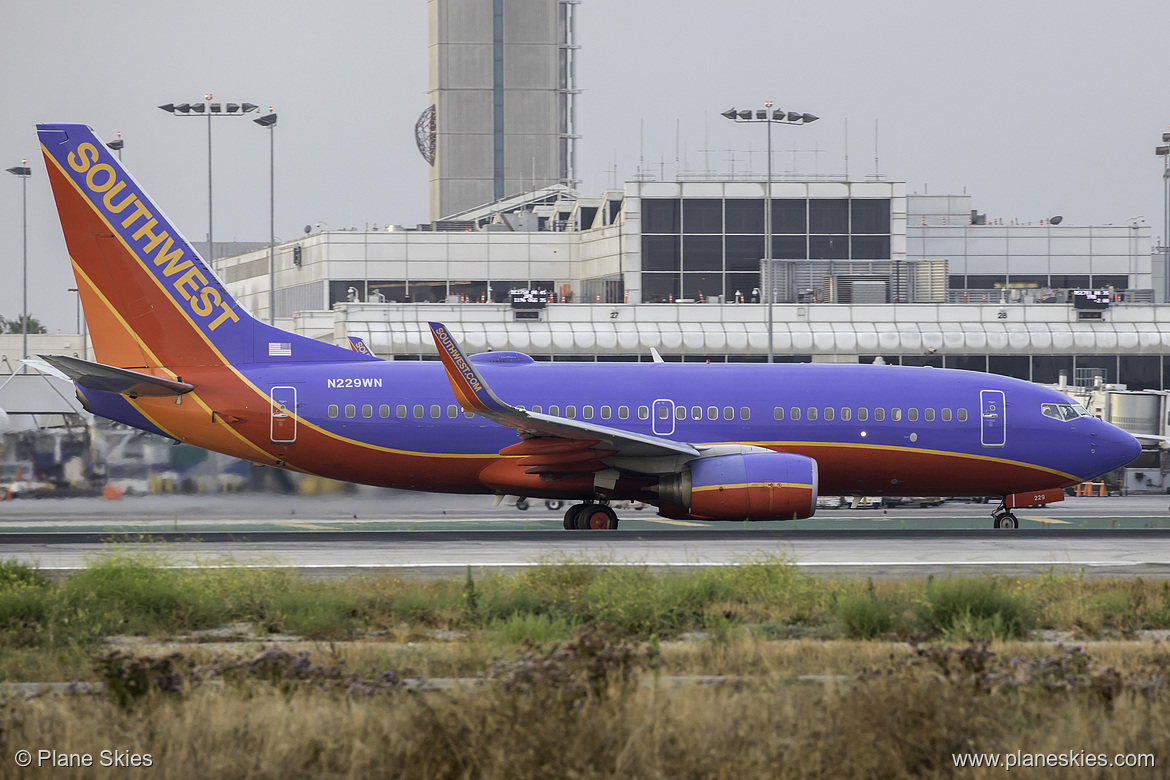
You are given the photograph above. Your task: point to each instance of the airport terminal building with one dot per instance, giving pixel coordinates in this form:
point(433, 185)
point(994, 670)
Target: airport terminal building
point(860, 270)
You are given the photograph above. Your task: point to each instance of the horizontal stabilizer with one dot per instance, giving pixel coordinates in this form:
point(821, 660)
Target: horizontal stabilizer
point(95, 376)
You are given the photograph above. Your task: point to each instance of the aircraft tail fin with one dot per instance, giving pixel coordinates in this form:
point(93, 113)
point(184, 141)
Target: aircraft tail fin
point(151, 302)
point(357, 345)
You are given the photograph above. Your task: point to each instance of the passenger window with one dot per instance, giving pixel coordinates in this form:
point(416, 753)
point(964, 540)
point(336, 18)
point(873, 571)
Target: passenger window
point(696, 413)
point(846, 413)
point(367, 411)
point(605, 413)
point(879, 414)
point(745, 413)
point(537, 409)
point(663, 413)
point(587, 412)
point(644, 413)
point(912, 415)
point(400, 411)
point(332, 411)
point(862, 414)
point(555, 411)
point(794, 413)
point(712, 412)
point(571, 412)
point(778, 413)
point(469, 415)
point(829, 413)
point(929, 415)
point(436, 411)
point(946, 415)
point(383, 411)
point(728, 413)
point(452, 411)
point(418, 411)
point(350, 410)
point(624, 412)
point(895, 414)
point(962, 415)
point(680, 413)
point(812, 413)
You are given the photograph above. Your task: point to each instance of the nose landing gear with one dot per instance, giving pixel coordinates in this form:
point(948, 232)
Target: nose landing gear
point(590, 517)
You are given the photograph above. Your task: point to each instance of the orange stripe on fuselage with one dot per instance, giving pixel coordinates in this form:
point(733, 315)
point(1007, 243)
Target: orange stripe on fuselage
point(844, 469)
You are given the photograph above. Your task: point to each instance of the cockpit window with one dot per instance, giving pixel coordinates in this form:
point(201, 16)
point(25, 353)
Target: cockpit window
point(1063, 412)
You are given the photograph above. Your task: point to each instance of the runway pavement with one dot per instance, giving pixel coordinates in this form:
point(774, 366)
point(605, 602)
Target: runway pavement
point(429, 536)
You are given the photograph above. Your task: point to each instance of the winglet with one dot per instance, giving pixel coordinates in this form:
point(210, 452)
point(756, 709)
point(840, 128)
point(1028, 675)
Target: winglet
point(471, 391)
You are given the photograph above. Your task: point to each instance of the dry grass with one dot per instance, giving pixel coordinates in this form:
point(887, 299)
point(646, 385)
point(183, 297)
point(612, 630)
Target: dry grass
point(889, 709)
point(899, 719)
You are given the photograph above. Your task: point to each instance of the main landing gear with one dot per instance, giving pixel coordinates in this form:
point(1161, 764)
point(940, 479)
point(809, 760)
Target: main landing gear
point(1003, 518)
point(590, 517)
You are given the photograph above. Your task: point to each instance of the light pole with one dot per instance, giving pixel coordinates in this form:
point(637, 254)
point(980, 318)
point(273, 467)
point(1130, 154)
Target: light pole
point(769, 116)
point(210, 110)
point(23, 171)
point(117, 144)
point(1164, 153)
point(80, 329)
point(269, 121)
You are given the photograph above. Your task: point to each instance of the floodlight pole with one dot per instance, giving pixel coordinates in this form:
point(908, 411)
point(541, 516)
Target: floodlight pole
point(23, 171)
point(770, 117)
point(269, 121)
point(211, 109)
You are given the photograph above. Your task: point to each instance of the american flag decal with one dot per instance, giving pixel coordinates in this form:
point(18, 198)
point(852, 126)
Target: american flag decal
point(279, 349)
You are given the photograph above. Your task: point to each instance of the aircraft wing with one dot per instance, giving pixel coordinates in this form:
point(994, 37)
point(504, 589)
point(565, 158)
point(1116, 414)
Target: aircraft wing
point(551, 443)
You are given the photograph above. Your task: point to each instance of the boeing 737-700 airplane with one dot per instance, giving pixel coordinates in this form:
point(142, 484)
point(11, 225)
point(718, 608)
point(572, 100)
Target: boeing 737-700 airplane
point(178, 356)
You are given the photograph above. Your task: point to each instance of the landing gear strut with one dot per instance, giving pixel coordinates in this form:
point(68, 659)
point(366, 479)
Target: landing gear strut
point(1003, 518)
point(590, 517)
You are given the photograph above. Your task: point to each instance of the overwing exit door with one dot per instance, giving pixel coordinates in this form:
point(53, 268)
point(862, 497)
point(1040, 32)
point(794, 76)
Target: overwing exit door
point(662, 417)
point(284, 418)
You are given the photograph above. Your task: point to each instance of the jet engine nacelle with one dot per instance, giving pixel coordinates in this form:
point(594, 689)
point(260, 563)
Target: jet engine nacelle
point(748, 486)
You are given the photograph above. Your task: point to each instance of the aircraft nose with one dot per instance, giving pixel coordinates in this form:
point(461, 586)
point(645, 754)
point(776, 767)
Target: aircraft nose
point(1117, 447)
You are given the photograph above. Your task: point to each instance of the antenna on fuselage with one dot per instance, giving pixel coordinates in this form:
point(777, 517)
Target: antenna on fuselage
point(654, 354)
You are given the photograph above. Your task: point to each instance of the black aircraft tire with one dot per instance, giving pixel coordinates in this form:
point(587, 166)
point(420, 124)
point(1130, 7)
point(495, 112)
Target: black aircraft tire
point(573, 513)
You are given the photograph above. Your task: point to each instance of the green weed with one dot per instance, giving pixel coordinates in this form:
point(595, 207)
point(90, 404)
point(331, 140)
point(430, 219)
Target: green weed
point(963, 608)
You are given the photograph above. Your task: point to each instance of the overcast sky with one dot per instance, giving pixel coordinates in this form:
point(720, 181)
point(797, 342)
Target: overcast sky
point(1033, 107)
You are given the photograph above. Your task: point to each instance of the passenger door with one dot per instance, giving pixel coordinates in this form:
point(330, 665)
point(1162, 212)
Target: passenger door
point(283, 417)
point(993, 420)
